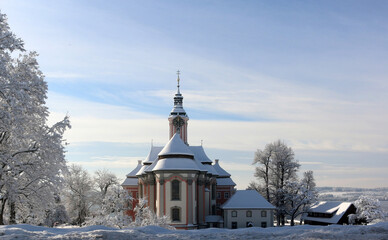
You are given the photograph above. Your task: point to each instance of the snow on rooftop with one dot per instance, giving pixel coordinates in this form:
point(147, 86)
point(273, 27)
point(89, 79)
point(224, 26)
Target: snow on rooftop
point(247, 199)
point(328, 206)
point(176, 146)
point(338, 208)
point(200, 154)
point(175, 164)
point(220, 170)
point(153, 155)
point(225, 182)
point(136, 170)
point(210, 169)
point(130, 182)
point(142, 170)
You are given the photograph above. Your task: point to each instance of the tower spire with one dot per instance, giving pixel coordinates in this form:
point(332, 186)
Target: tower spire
point(178, 117)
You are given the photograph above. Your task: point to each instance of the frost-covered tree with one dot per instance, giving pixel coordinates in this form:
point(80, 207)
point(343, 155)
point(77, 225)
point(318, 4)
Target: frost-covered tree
point(104, 179)
point(298, 197)
point(308, 180)
point(111, 211)
point(79, 194)
point(368, 210)
point(31, 152)
point(262, 171)
point(277, 165)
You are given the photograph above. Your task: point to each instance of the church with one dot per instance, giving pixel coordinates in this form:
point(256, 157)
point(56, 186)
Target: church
point(180, 181)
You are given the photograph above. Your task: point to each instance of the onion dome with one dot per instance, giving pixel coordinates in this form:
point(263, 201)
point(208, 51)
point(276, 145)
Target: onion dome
point(178, 103)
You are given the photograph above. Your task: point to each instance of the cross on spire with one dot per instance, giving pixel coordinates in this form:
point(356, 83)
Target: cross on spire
point(178, 73)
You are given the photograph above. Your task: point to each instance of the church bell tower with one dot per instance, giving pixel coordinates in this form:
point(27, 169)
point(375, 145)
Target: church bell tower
point(178, 117)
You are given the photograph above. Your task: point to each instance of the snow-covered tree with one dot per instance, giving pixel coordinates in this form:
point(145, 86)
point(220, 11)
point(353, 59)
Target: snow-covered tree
point(368, 210)
point(262, 172)
point(145, 216)
point(31, 152)
point(104, 179)
point(79, 194)
point(277, 165)
point(57, 214)
point(298, 197)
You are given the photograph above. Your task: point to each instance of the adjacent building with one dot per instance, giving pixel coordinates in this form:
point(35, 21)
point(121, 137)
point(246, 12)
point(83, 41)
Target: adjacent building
point(247, 208)
point(330, 212)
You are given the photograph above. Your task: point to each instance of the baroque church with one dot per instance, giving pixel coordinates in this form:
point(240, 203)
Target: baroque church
point(179, 180)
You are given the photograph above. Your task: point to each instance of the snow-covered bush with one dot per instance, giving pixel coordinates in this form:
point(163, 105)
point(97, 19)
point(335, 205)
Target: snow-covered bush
point(110, 211)
point(145, 216)
point(368, 210)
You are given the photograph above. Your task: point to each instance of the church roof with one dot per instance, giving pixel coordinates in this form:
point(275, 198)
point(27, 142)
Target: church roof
point(220, 170)
point(210, 169)
point(130, 182)
point(225, 182)
point(142, 170)
point(247, 199)
point(200, 154)
point(175, 164)
point(176, 155)
point(153, 154)
point(176, 147)
point(136, 170)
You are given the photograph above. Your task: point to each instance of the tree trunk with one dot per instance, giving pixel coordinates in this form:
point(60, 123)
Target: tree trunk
point(3, 202)
point(12, 212)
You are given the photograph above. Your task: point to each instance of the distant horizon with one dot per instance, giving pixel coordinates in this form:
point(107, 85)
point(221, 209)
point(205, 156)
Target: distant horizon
point(312, 74)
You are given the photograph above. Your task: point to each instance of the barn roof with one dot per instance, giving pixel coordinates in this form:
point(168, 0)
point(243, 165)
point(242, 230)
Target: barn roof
point(336, 208)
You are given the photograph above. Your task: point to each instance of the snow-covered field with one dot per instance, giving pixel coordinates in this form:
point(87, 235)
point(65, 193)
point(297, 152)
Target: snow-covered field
point(21, 231)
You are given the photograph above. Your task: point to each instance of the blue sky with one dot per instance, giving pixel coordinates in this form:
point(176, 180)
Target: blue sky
point(312, 73)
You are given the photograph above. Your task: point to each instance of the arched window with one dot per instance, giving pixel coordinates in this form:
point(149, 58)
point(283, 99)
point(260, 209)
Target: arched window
point(175, 214)
point(175, 190)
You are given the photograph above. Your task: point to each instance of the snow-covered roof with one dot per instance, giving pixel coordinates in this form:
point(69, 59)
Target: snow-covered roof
point(247, 199)
point(176, 155)
point(153, 154)
point(200, 154)
point(136, 170)
point(220, 170)
point(176, 147)
point(142, 170)
point(336, 208)
point(175, 164)
point(130, 182)
point(225, 182)
point(210, 169)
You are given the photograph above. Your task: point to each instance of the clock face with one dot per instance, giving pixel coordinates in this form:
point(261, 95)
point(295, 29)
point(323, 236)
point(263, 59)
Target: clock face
point(178, 122)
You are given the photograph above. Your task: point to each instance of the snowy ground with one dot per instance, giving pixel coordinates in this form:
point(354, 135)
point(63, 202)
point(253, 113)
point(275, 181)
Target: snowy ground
point(21, 231)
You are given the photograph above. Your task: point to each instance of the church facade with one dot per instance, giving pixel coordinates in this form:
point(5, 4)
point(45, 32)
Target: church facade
point(179, 180)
